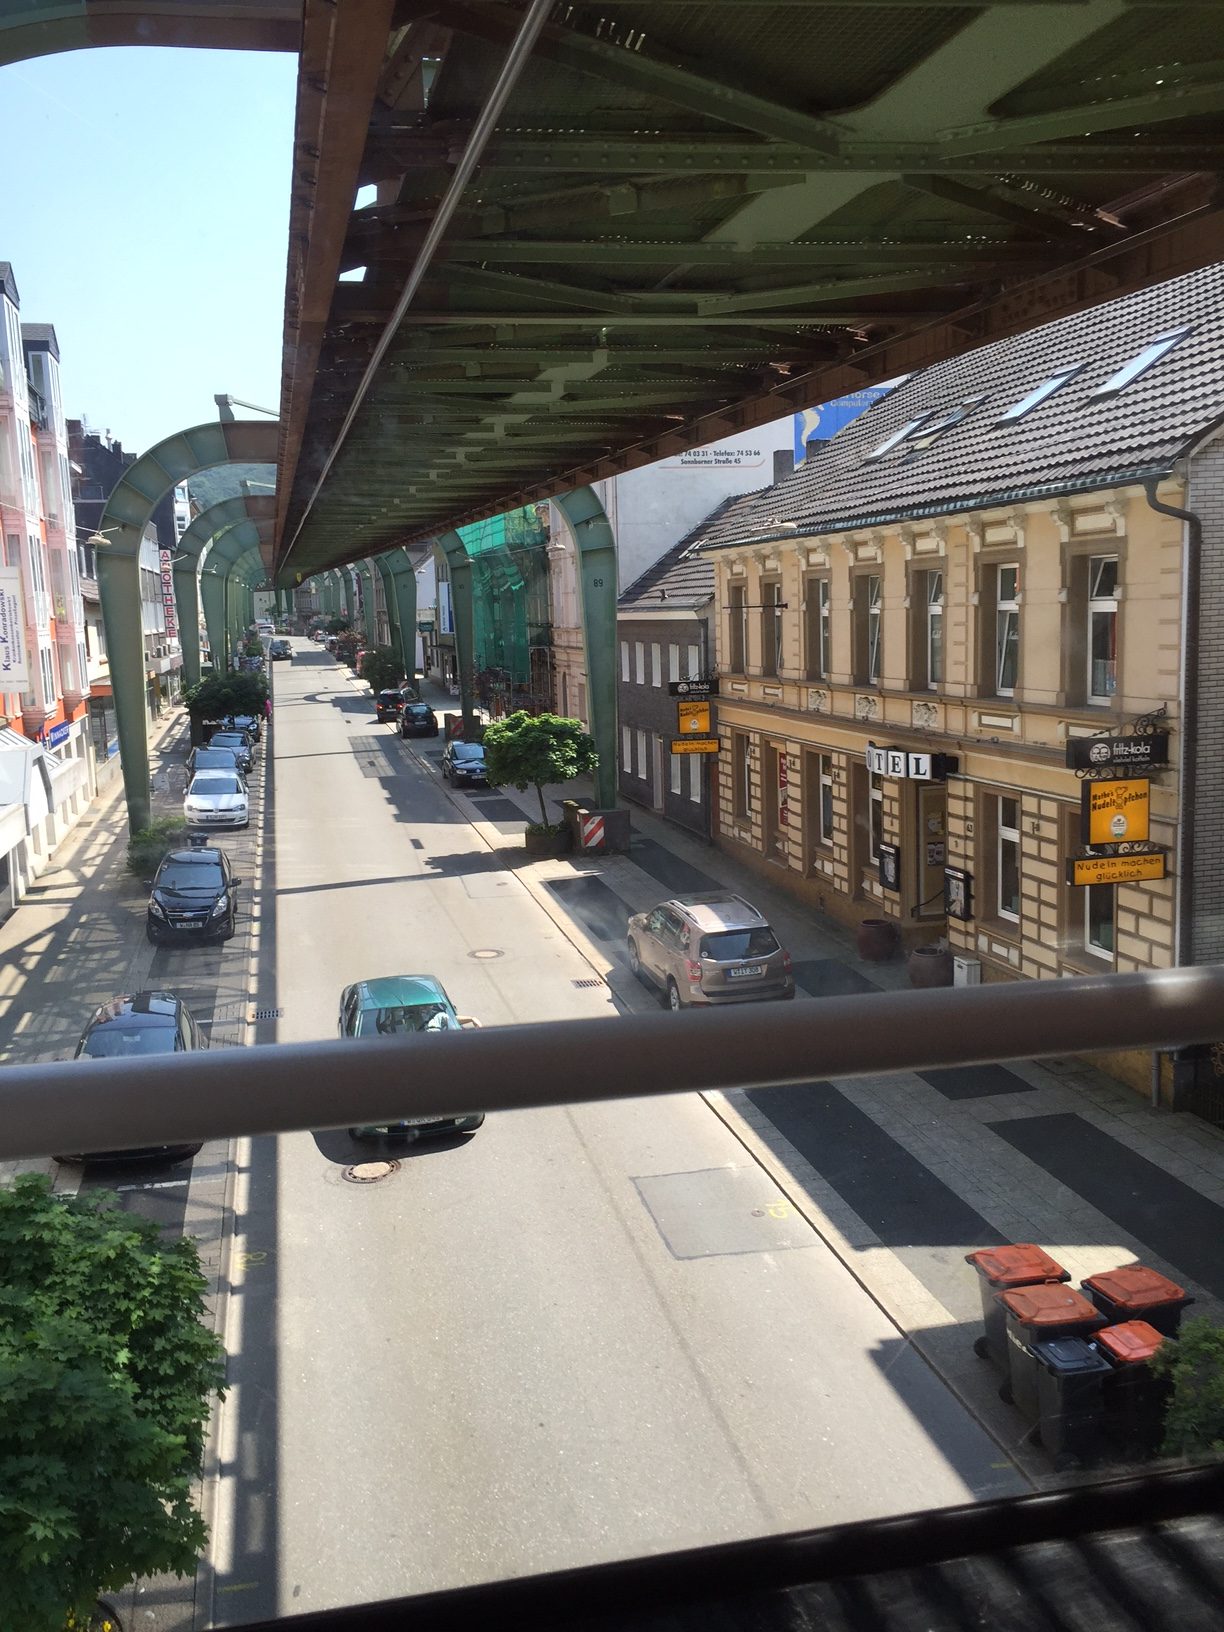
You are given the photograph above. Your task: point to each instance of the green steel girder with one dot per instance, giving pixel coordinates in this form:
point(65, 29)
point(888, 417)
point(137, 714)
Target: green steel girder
point(209, 524)
point(128, 512)
point(40, 28)
point(596, 545)
point(350, 596)
point(400, 588)
point(364, 570)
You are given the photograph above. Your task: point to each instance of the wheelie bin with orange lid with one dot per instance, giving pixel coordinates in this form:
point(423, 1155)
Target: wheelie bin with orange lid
point(1135, 1292)
point(1135, 1400)
point(1036, 1314)
point(999, 1269)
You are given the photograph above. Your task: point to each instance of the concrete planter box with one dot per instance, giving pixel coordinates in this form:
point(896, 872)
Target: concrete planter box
point(557, 843)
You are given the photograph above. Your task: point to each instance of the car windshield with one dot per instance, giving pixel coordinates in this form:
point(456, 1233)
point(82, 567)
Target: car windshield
point(113, 1040)
point(467, 750)
point(727, 945)
point(222, 758)
point(419, 711)
point(408, 1017)
point(229, 739)
point(184, 875)
point(215, 782)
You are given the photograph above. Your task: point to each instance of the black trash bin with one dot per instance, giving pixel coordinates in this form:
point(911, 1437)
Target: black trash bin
point(999, 1269)
point(1038, 1314)
point(1135, 1400)
point(1135, 1292)
point(1071, 1378)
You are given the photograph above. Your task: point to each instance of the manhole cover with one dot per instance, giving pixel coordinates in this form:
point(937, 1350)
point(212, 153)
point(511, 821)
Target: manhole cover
point(486, 952)
point(369, 1172)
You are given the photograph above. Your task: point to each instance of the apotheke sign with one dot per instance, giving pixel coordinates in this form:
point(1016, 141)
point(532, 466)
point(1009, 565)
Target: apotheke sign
point(899, 763)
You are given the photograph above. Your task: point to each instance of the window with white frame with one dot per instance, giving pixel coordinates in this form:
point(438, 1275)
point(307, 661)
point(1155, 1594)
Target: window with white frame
point(641, 755)
point(824, 803)
point(737, 628)
point(1007, 628)
point(624, 657)
point(1007, 858)
point(656, 664)
point(47, 665)
point(694, 778)
point(818, 633)
point(673, 661)
point(1102, 675)
point(694, 663)
point(639, 662)
point(626, 749)
point(771, 628)
point(934, 607)
point(677, 770)
point(875, 791)
point(1099, 920)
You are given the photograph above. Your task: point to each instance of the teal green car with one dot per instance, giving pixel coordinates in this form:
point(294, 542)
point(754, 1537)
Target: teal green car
point(388, 1007)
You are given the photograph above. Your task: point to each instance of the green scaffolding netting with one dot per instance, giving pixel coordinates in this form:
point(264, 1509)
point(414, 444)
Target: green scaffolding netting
point(511, 635)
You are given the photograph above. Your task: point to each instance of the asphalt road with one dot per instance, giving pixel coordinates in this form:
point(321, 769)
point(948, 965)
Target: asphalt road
point(580, 1334)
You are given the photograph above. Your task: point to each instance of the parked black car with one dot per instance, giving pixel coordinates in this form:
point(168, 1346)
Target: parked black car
point(387, 705)
point(211, 758)
point(243, 747)
point(418, 720)
point(463, 763)
point(193, 897)
point(280, 649)
point(252, 724)
point(132, 1026)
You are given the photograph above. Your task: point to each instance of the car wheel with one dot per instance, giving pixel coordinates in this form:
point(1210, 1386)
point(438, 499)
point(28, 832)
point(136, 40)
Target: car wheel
point(230, 927)
point(674, 1001)
point(635, 962)
point(153, 939)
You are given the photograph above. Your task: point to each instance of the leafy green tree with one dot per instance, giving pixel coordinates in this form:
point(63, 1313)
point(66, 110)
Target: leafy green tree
point(336, 626)
point(1194, 1365)
point(224, 694)
point(147, 847)
point(537, 751)
point(383, 667)
point(348, 644)
point(106, 1374)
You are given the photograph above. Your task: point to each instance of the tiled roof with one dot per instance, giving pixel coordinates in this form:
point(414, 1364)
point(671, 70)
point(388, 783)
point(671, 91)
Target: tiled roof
point(8, 283)
point(1065, 444)
point(681, 577)
point(41, 336)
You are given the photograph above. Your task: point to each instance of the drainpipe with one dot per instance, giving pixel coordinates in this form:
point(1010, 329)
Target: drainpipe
point(1191, 583)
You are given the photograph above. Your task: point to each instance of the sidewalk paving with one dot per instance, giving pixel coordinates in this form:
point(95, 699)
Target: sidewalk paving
point(902, 1175)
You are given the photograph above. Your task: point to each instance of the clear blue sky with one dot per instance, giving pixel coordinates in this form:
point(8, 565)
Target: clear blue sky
point(144, 204)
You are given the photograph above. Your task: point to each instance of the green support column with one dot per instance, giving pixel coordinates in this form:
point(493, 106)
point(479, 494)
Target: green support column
point(350, 596)
point(369, 617)
point(597, 592)
point(212, 594)
point(187, 609)
point(460, 565)
point(119, 592)
point(402, 595)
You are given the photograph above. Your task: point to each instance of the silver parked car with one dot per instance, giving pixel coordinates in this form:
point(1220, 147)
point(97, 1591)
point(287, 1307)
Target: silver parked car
point(704, 949)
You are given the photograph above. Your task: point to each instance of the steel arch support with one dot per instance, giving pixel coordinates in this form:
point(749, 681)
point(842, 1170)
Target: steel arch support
point(597, 591)
point(369, 614)
point(400, 579)
point(460, 565)
point(210, 524)
point(128, 511)
point(350, 595)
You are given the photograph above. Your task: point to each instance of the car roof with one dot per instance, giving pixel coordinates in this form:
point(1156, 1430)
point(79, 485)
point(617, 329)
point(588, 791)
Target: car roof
point(715, 910)
point(193, 857)
point(399, 992)
point(138, 1009)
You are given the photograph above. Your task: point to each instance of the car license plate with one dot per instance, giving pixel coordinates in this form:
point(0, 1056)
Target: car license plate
point(749, 969)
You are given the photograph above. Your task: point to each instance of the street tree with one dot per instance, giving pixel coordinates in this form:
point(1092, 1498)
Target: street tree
point(221, 695)
point(383, 667)
point(106, 1372)
point(537, 751)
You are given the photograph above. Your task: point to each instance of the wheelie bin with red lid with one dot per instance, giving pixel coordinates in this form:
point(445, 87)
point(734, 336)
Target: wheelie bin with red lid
point(1036, 1314)
point(1135, 1292)
point(999, 1269)
point(1071, 1403)
point(1135, 1399)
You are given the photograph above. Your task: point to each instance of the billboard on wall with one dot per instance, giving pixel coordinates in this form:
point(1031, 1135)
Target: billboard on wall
point(823, 423)
point(446, 616)
point(14, 672)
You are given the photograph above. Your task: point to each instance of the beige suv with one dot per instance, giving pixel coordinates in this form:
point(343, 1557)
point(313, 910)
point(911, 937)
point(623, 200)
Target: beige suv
point(701, 949)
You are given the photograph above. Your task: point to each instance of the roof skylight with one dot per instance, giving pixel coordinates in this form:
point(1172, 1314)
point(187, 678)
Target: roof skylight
point(1039, 394)
point(1140, 363)
point(890, 442)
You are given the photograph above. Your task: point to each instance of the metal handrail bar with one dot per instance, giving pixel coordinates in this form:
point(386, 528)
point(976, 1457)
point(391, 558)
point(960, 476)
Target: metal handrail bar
point(110, 1104)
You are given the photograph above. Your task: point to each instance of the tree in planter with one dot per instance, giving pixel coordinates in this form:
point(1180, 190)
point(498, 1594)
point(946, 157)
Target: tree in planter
point(537, 751)
point(224, 694)
point(383, 667)
point(347, 646)
point(336, 626)
point(106, 1373)
point(1194, 1367)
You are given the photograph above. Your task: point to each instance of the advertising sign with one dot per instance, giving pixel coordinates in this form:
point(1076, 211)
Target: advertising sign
point(1133, 869)
point(1087, 753)
point(693, 717)
point(693, 688)
point(1113, 811)
point(958, 893)
point(59, 733)
point(695, 745)
point(898, 764)
point(14, 673)
point(168, 606)
point(890, 867)
point(820, 424)
point(783, 788)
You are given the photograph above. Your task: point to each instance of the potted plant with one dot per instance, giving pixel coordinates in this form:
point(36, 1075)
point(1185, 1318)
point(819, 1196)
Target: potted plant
point(877, 939)
point(538, 751)
point(107, 1371)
